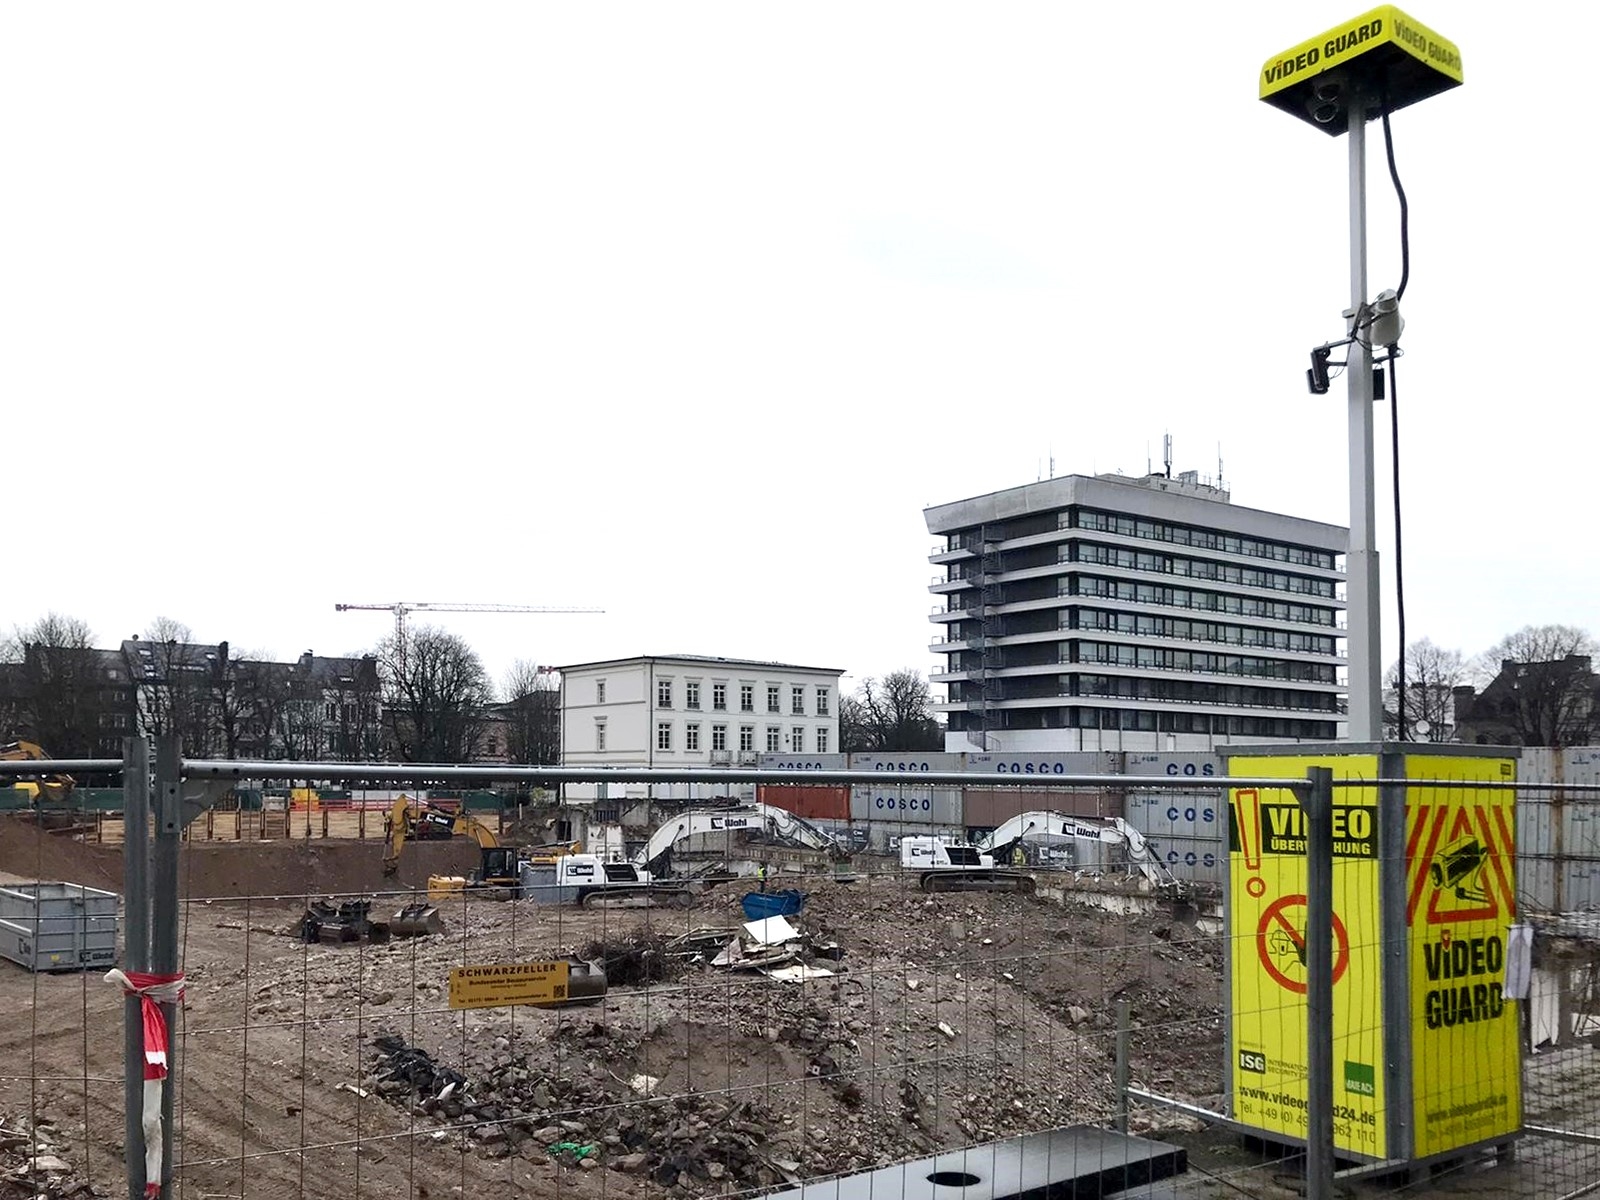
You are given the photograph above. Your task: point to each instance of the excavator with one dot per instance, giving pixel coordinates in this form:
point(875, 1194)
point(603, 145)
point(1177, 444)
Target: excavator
point(647, 877)
point(962, 868)
point(49, 789)
point(499, 867)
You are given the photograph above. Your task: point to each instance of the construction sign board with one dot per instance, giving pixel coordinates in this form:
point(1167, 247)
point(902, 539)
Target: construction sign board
point(1267, 838)
point(1460, 897)
point(497, 986)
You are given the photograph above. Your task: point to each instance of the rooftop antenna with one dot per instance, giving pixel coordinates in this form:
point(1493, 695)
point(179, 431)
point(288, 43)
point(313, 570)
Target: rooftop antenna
point(1220, 488)
point(1052, 462)
point(1166, 453)
point(1148, 468)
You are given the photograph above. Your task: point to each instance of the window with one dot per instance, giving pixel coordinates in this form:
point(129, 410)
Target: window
point(747, 737)
point(599, 691)
point(599, 734)
point(798, 696)
point(822, 705)
point(772, 698)
point(747, 697)
point(663, 735)
point(774, 739)
point(822, 741)
point(663, 693)
point(797, 740)
point(691, 736)
point(691, 693)
point(719, 696)
point(330, 711)
point(719, 737)
point(494, 746)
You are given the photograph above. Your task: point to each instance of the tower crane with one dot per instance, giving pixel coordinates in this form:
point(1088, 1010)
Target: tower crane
point(401, 608)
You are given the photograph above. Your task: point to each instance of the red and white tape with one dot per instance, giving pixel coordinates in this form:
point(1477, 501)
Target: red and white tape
point(153, 991)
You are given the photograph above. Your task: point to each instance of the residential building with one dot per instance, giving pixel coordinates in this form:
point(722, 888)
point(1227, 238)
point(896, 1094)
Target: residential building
point(693, 711)
point(1532, 704)
point(1117, 613)
point(76, 702)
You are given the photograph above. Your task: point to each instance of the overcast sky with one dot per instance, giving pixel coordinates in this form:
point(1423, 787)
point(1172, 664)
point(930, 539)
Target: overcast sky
point(686, 311)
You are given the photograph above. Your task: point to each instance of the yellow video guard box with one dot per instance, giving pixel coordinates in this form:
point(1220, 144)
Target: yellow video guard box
point(1387, 58)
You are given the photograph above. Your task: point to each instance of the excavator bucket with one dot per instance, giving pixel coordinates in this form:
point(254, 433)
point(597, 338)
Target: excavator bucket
point(416, 920)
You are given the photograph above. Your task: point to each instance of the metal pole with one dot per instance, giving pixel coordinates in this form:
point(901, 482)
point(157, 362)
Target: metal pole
point(1124, 1049)
point(164, 924)
point(1318, 805)
point(1361, 564)
point(135, 948)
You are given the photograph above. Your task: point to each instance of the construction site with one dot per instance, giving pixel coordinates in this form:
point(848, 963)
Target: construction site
point(747, 1003)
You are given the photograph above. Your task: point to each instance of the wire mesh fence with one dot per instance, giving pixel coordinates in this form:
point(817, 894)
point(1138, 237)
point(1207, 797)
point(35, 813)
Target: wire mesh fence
point(897, 1024)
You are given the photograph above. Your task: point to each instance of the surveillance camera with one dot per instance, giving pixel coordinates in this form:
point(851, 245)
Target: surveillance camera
point(1387, 323)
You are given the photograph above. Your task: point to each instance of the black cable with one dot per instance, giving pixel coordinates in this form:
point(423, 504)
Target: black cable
point(1399, 560)
point(1405, 210)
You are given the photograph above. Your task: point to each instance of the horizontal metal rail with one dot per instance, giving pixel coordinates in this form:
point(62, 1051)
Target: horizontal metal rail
point(500, 772)
point(61, 766)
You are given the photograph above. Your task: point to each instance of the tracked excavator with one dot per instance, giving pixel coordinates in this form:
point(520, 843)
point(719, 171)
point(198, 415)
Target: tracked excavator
point(44, 788)
point(646, 879)
point(959, 867)
point(499, 867)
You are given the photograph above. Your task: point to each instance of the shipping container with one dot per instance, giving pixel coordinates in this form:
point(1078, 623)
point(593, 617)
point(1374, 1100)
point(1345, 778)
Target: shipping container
point(985, 808)
point(1178, 814)
point(1194, 764)
point(907, 763)
point(58, 926)
point(1065, 762)
point(801, 762)
point(898, 800)
point(815, 802)
point(1193, 860)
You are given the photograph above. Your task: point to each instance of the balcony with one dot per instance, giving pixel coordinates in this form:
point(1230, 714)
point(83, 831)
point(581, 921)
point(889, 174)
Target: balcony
point(721, 758)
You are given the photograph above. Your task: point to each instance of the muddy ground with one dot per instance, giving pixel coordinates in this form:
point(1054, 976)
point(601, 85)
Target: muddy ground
point(950, 1020)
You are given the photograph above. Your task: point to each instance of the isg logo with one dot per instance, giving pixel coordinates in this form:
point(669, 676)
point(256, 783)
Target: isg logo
point(1253, 1060)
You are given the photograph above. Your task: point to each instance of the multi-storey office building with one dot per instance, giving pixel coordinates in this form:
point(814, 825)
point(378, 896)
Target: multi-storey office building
point(1109, 612)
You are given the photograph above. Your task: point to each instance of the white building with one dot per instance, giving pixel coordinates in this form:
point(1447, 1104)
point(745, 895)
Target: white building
point(1115, 613)
point(692, 711)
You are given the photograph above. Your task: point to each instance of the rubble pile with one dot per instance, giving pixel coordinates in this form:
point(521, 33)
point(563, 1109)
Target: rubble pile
point(692, 1141)
point(34, 1164)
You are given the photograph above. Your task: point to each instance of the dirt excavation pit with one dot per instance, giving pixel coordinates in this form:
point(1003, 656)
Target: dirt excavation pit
point(945, 1021)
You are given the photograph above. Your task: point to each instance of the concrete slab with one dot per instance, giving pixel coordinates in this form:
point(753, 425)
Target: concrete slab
point(1076, 1163)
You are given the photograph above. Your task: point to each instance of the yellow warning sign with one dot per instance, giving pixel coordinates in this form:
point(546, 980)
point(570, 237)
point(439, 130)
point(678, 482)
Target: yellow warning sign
point(1460, 896)
point(1385, 30)
point(496, 986)
point(1267, 913)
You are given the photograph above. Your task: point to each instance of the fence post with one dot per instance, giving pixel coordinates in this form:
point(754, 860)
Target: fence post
point(135, 948)
point(164, 923)
point(1124, 1050)
point(1317, 801)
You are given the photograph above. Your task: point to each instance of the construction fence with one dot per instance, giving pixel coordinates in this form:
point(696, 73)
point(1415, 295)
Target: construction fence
point(406, 1044)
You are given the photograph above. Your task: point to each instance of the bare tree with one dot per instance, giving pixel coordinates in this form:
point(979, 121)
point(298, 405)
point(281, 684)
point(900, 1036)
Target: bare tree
point(174, 695)
point(532, 711)
point(1544, 687)
point(891, 714)
point(436, 695)
point(1432, 674)
point(57, 697)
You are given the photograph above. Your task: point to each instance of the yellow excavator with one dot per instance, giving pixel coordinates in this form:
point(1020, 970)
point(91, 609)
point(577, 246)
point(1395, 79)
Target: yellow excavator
point(49, 789)
point(499, 867)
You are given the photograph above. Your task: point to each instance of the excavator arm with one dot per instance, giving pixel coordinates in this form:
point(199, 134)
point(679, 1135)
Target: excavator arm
point(1111, 830)
point(765, 819)
point(52, 789)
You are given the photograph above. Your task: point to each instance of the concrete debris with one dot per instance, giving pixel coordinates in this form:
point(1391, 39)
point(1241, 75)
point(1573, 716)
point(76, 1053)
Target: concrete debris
point(771, 931)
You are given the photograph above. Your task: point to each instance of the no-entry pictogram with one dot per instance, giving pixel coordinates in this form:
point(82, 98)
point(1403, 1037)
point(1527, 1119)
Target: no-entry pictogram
point(1281, 943)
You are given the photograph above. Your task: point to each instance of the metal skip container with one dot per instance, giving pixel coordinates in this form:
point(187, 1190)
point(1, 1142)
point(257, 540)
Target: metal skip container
point(58, 926)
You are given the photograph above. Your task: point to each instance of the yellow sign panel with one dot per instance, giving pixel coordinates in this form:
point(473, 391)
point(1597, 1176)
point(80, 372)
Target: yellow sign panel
point(1369, 34)
point(507, 984)
point(1267, 933)
point(1460, 896)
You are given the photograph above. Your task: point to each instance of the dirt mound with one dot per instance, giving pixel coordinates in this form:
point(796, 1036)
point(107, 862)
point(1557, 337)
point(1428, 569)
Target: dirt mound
point(218, 870)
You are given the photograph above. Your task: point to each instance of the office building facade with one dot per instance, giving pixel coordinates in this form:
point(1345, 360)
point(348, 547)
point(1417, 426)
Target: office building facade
point(1127, 613)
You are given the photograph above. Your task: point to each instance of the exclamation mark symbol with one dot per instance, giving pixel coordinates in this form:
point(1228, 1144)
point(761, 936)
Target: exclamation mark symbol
point(1247, 820)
